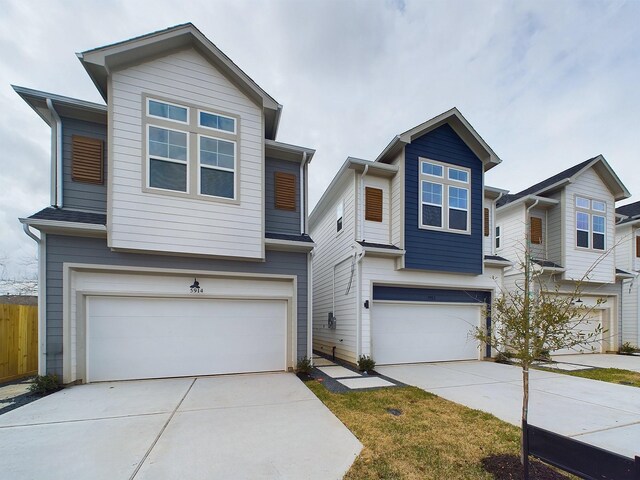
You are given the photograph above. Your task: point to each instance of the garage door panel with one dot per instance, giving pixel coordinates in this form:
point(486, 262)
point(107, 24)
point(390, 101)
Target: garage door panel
point(586, 327)
point(412, 333)
point(150, 337)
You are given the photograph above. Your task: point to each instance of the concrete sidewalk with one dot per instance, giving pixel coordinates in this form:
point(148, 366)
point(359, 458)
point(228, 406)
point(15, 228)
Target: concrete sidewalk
point(599, 413)
point(237, 426)
point(602, 360)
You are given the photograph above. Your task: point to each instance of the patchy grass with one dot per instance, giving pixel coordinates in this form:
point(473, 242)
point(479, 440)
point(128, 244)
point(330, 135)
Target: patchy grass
point(611, 375)
point(432, 438)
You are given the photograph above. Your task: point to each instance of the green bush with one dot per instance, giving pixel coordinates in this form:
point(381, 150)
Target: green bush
point(506, 357)
point(544, 355)
point(366, 363)
point(627, 348)
point(304, 365)
point(45, 384)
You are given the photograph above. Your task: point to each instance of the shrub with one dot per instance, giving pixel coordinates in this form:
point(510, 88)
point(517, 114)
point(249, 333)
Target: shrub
point(544, 355)
point(627, 348)
point(45, 384)
point(366, 363)
point(304, 365)
point(506, 357)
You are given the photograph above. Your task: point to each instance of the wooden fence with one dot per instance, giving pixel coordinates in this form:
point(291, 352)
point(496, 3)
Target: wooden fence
point(18, 341)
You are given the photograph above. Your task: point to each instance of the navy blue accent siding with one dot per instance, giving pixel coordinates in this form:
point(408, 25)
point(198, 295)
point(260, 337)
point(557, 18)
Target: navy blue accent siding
point(61, 249)
point(415, 294)
point(84, 196)
point(435, 250)
point(277, 220)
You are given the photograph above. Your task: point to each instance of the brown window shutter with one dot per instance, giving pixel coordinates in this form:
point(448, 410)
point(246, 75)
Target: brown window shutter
point(285, 191)
point(536, 230)
point(373, 204)
point(486, 222)
point(638, 247)
point(87, 160)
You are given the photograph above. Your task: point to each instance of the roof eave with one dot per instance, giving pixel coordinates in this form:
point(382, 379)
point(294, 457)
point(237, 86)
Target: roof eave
point(57, 226)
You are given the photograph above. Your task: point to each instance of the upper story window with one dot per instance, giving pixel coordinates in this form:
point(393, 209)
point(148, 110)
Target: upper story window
point(590, 223)
point(444, 197)
point(182, 139)
point(497, 236)
point(339, 215)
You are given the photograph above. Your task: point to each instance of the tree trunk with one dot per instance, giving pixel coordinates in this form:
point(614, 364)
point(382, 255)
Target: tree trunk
point(524, 450)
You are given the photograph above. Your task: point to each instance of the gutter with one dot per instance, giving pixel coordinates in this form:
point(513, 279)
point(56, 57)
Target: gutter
point(56, 153)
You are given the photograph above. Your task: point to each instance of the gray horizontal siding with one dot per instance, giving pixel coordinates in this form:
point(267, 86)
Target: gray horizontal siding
point(280, 221)
point(62, 249)
point(83, 196)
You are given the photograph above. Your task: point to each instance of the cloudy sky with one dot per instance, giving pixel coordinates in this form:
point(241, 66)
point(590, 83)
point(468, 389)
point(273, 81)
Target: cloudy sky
point(546, 83)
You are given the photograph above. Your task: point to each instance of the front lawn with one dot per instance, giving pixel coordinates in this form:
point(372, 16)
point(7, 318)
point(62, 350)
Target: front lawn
point(611, 375)
point(431, 438)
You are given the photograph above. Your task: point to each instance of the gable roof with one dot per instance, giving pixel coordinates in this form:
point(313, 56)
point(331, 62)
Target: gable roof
point(98, 62)
point(459, 124)
point(569, 175)
point(631, 211)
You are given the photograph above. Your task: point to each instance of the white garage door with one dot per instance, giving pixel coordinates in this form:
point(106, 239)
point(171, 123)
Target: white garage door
point(411, 333)
point(133, 337)
point(594, 345)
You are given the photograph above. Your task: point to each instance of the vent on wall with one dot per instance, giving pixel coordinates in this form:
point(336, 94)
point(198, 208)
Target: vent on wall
point(285, 191)
point(87, 161)
point(373, 204)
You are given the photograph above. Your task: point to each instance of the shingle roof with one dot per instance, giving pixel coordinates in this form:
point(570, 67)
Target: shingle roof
point(569, 172)
point(495, 258)
point(631, 210)
point(288, 237)
point(546, 263)
point(378, 245)
point(63, 215)
point(619, 271)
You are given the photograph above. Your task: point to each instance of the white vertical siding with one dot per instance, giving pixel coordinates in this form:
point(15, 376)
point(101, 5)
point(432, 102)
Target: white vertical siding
point(512, 233)
point(148, 221)
point(630, 314)
point(580, 261)
point(334, 254)
point(397, 203)
point(554, 230)
point(378, 232)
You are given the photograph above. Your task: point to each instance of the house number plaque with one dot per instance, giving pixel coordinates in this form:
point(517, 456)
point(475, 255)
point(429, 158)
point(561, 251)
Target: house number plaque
point(195, 287)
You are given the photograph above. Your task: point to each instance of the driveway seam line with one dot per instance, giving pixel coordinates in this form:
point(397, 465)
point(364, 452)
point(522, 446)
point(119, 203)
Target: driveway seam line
point(164, 427)
point(605, 429)
point(81, 420)
point(201, 409)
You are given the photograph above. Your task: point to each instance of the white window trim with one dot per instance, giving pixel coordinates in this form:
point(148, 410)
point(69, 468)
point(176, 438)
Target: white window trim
point(590, 212)
point(200, 110)
point(446, 182)
point(212, 167)
point(339, 205)
point(149, 99)
point(164, 159)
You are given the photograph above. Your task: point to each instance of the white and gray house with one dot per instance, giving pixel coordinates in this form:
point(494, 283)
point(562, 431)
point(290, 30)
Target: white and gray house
point(176, 240)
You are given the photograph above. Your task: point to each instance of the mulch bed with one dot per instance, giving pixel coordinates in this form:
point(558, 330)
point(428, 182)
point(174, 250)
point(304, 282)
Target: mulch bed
point(508, 467)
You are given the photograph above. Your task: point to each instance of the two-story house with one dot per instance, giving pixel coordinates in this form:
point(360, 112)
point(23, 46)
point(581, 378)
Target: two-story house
point(568, 223)
point(405, 257)
point(176, 241)
point(628, 259)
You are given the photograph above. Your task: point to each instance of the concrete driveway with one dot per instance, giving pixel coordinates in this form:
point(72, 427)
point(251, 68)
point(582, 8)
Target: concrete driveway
point(599, 413)
point(240, 426)
point(601, 360)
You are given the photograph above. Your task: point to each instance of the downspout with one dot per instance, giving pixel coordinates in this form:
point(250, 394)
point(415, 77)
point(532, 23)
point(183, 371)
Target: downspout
point(310, 305)
point(42, 303)
point(361, 206)
point(58, 171)
point(528, 226)
point(359, 303)
point(303, 203)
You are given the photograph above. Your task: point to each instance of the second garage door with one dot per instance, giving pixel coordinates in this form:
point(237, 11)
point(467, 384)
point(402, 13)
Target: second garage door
point(412, 333)
point(142, 337)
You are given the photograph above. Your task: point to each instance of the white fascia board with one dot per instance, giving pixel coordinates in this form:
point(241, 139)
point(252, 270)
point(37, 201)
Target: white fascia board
point(542, 202)
point(56, 225)
point(277, 244)
point(498, 263)
point(383, 252)
point(296, 150)
point(493, 193)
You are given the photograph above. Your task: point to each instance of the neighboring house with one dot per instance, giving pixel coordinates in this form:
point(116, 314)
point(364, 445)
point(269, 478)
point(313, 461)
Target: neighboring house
point(176, 241)
point(569, 222)
point(628, 259)
point(405, 257)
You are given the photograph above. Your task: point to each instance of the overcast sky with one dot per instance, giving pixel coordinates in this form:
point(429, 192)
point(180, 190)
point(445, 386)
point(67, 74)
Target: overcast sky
point(547, 84)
